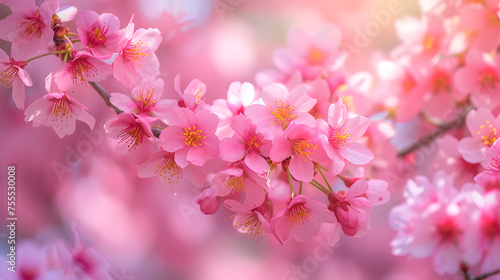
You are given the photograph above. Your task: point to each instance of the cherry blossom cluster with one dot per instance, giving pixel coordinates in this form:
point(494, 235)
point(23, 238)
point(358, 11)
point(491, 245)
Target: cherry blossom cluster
point(446, 72)
point(59, 260)
point(238, 150)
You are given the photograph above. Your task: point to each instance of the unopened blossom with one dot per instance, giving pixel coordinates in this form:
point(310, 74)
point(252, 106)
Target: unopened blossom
point(60, 111)
point(302, 216)
point(281, 109)
point(209, 201)
point(351, 207)
point(341, 136)
point(12, 74)
point(28, 27)
point(100, 34)
point(301, 143)
point(482, 126)
point(191, 136)
point(136, 58)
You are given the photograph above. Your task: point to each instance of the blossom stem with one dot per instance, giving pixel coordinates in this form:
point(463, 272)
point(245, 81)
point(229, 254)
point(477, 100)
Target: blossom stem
point(69, 41)
point(300, 190)
point(43, 55)
point(106, 97)
point(290, 181)
point(324, 178)
point(442, 129)
point(320, 187)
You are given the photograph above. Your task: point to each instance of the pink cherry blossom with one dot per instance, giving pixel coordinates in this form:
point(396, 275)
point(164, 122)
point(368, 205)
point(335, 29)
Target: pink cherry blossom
point(351, 207)
point(490, 178)
point(252, 220)
point(132, 131)
point(172, 177)
point(83, 260)
point(146, 99)
point(480, 78)
point(81, 69)
point(193, 93)
point(12, 73)
point(236, 181)
point(100, 34)
point(483, 127)
point(340, 138)
point(480, 19)
point(281, 109)
point(301, 143)
point(303, 217)
point(60, 111)
point(137, 59)
point(28, 27)
point(247, 145)
point(209, 202)
point(191, 136)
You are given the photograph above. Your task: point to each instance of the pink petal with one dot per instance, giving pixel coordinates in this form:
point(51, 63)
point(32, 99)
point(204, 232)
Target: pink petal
point(471, 150)
point(281, 149)
point(172, 139)
point(256, 163)
point(231, 150)
point(301, 170)
point(356, 153)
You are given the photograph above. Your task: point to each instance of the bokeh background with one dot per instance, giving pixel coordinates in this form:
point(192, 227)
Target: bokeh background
point(145, 232)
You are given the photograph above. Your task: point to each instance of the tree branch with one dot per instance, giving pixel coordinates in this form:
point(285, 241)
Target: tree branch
point(442, 129)
point(106, 97)
point(484, 276)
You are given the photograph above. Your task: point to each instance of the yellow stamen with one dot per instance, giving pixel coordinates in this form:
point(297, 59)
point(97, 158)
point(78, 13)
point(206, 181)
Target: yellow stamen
point(193, 136)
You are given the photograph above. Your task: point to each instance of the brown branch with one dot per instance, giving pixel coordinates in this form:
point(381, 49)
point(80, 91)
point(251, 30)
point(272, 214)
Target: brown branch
point(106, 97)
point(442, 129)
point(484, 276)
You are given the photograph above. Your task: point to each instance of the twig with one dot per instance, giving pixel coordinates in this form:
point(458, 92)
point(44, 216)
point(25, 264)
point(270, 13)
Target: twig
point(442, 129)
point(484, 276)
point(106, 97)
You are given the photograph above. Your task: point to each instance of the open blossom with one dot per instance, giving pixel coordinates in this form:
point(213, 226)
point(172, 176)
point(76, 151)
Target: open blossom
point(137, 59)
point(351, 207)
point(84, 261)
point(28, 27)
point(480, 77)
point(60, 111)
point(100, 34)
point(301, 143)
point(252, 220)
point(133, 132)
point(81, 69)
point(12, 73)
point(237, 180)
point(490, 178)
point(146, 99)
point(483, 127)
point(247, 145)
point(281, 109)
point(303, 217)
point(191, 136)
point(340, 138)
point(480, 19)
point(171, 175)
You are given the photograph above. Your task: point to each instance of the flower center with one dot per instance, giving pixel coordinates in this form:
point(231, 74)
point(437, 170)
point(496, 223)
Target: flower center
point(252, 225)
point(61, 108)
point(448, 230)
point(339, 137)
point(8, 74)
point(489, 79)
point(237, 184)
point(132, 135)
point(429, 42)
point(441, 82)
point(282, 114)
point(254, 141)
point(493, 168)
point(98, 36)
point(28, 273)
point(193, 136)
point(170, 171)
point(145, 100)
point(299, 216)
point(303, 148)
point(487, 133)
point(136, 52)
point(490, 226)
point(82, 69)
point(316, 56)
point(31, 26)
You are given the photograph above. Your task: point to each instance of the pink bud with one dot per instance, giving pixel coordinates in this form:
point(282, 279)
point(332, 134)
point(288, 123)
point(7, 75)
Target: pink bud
point(208, 201)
